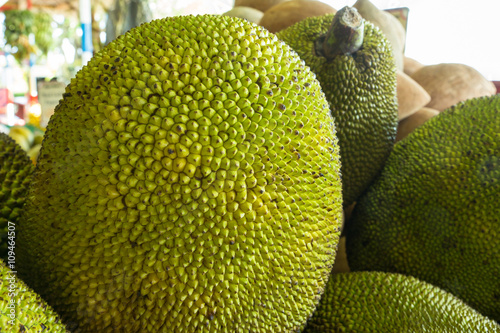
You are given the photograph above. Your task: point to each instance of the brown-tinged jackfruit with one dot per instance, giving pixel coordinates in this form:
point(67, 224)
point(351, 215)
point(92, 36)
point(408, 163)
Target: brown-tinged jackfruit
point(367, 302)
point(15, 174)
point(354, 64)
point(189, 180)
point(434, 212)
point(21, 309)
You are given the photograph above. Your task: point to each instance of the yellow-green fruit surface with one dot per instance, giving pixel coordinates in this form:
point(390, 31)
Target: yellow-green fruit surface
point(367, 302)
point(361, 90)
point(16, 170)
point(22, 310)
point(188, 181)
point(434, 212)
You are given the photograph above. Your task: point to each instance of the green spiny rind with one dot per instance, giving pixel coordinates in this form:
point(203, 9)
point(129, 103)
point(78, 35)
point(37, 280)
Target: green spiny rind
point(361, 91)
point(388, 302)
point(21, 309)
point(193, 176)
point(16, 170)
point(434, 211)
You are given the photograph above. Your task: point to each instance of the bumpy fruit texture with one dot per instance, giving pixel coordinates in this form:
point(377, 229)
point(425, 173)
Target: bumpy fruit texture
point(15, 174)
point(189, 180)
point(21, 309)
point(361, 90)
point(434, 212)
point(360, 302)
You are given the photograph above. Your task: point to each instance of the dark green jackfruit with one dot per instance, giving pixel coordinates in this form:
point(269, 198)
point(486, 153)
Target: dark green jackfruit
point(189, 180)
point(434, 212)
point(16, 170)
point(22, 310)
point(354, 64)
point(367, 302)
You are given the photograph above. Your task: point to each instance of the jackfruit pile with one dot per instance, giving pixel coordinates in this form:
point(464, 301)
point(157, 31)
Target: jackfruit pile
point(195, 175)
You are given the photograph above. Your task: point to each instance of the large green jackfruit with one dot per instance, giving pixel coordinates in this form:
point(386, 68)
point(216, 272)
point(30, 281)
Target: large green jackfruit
point(22, 310)
point(367, 302)
point(354, 64)
point(434, 212)
point(189, 180)
point(16, 170)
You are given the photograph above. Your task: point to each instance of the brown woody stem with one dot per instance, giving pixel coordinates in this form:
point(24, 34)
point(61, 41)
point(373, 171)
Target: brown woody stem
point(345, 35)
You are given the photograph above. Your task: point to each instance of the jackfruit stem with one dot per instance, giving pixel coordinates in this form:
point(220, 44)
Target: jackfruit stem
point(345, 35)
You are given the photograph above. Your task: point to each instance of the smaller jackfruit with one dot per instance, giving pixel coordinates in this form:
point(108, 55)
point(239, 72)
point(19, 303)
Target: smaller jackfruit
point(434, 211)
point(389, 302)
point(16, 169)
point(353, 62)
point(22, 310)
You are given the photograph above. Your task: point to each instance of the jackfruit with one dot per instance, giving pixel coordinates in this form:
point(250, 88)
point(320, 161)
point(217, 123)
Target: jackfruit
point(22, 310)
point(189, 180)
point(354, 64)
point(434, 212)
point(16, 171)
point(389, 302)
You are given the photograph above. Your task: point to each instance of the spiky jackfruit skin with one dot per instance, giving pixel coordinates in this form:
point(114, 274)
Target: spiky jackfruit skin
point(22, 310)
point(16, 170)
point(359, 302)
point(189, 180)
point(434, 212)
point(361, 91)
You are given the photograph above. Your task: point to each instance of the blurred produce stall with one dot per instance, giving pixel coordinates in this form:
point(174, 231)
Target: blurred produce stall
point(50, 40)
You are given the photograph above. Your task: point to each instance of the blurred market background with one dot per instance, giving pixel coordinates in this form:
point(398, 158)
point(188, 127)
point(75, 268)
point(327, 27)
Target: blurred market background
point(45, 42)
